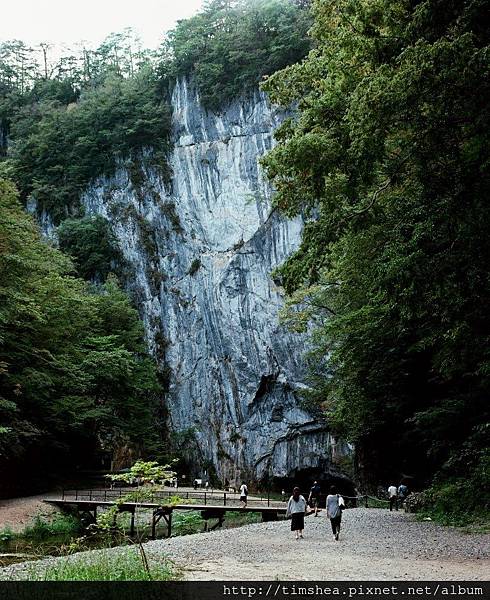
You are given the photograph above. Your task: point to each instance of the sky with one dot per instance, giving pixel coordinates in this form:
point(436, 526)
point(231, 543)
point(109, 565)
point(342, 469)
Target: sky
point(64, 22)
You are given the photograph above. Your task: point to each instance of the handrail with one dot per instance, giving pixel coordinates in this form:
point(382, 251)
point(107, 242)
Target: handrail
point(205, 495)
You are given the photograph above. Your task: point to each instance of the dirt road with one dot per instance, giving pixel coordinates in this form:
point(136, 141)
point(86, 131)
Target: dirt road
point(16, 513)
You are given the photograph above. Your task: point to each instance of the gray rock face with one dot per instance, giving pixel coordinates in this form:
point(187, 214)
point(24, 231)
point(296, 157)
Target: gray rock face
point(200, 251)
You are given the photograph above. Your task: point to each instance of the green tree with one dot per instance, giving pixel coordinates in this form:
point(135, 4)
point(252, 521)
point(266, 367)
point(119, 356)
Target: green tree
point(231, 45)
point(58, 144)
point(388, 162)
point(75, 378)
point(91, 244)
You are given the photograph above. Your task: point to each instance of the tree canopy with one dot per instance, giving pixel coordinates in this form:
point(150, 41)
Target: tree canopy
point(387, 159)
point(231, 45)
point(75, 377)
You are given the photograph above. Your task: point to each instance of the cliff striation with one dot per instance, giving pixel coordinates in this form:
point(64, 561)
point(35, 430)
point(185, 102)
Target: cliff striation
point(200, 249)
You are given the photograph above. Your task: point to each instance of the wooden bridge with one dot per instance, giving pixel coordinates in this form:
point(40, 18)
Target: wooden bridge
point(88, 501)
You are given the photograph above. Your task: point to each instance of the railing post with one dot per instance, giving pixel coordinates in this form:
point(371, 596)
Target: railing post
point(76, 494)
point(224, 498)
point(169, 526)
point(90, 495)
point(131, 532)
point(366, 501)
point(105, 495)
point(205, 499)
point(63, 494)
point(153, 527)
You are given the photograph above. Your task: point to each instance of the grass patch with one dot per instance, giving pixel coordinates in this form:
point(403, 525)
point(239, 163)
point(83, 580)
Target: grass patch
point(6, 534)
point(192, 522)
point(374, 503)
point(60, 525)
point(127, 566)
point(187, 523)
point(237, 519)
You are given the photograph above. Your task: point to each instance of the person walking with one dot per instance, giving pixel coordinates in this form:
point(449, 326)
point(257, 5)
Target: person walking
point(243, 494)
point(296, 510)
point(402, 493)
point(314, 497)
point(335, 505)
point(392, 495)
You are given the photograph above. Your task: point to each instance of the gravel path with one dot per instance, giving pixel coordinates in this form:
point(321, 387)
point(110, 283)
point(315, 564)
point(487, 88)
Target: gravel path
point(375, 545)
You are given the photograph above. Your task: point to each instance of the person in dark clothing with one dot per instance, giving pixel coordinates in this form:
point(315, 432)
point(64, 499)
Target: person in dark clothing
point(402, 494)
point(314, 497)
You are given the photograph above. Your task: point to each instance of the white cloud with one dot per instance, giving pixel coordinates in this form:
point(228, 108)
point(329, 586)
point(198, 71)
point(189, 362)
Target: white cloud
point(67, 22)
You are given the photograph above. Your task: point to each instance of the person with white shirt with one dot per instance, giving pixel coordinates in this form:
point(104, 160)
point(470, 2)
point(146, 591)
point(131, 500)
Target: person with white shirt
point(243, 494)
point(296, 510)
point(392, 495)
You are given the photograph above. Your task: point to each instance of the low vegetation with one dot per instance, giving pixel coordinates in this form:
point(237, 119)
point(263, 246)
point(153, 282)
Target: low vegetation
point(126, 565)
point(60, 525)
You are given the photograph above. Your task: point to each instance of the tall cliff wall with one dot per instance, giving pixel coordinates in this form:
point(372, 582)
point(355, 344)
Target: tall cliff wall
point(200, 251)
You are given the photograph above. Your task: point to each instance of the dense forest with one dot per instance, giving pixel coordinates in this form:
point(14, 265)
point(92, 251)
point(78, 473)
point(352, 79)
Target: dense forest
point(388, 160)
point(73, 120)
point(76, 382)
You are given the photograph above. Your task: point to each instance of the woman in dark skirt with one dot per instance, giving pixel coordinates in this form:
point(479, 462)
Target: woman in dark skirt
point(296, 510)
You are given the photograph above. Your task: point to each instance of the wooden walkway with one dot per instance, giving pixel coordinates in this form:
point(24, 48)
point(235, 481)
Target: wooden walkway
point(160, 510)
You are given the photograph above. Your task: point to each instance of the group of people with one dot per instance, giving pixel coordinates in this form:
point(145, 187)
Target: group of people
point(297, 507)
point(397, 495)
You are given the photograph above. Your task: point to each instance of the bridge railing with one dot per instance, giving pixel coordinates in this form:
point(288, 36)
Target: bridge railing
point(199, 497)
point(208, 497)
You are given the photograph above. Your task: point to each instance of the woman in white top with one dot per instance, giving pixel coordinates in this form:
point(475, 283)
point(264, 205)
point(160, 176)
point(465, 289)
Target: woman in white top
point(296, 510)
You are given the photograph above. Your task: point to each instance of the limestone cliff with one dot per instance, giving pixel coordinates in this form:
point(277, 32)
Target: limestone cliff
point(200, 250)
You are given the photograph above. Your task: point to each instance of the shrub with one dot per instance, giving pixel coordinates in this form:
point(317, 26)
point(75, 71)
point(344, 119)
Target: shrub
point(6, 534)
point(187, 523)
point(194, 267)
